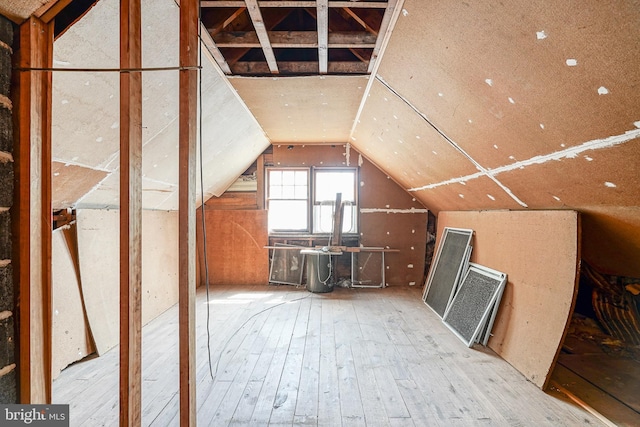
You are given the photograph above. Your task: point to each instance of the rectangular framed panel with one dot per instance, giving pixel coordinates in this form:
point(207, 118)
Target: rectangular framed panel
point(451, 256)
point(471, 307)
point(287, 265)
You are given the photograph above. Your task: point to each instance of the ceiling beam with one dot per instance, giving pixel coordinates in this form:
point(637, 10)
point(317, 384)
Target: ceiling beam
point(360, 20)
point(295, 39)
point(218, 28)
point(213, 50)
point(295, 4)
point(258, 24)
point(299, 67)
point(322, 21)
point(388, 22)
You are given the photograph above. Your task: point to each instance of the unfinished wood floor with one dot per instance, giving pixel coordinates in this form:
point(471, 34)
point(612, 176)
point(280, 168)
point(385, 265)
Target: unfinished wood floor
point(354, 357)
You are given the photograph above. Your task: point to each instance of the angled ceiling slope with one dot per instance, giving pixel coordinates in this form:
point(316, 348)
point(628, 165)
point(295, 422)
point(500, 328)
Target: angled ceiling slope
point(515, 105)
point(85, 115)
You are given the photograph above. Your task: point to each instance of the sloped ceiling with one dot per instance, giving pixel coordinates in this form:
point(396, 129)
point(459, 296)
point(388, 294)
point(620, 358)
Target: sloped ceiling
point(85, 114)
point(474, 105)
point(521, 104)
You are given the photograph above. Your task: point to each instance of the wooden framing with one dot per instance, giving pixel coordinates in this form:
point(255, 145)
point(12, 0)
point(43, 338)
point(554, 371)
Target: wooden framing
point(189, 43)
point(289, 4)
point(130, 214)
point(32, 211)
point(261, 30)
point(323, 35)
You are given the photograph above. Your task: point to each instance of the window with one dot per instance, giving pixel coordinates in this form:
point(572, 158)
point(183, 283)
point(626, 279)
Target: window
point(293, 207)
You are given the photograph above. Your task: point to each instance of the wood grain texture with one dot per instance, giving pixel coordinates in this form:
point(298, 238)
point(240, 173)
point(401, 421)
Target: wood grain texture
point(32, 210)
point(235, 247)
point(130, 213)
point(188, 96)
point(285, 356)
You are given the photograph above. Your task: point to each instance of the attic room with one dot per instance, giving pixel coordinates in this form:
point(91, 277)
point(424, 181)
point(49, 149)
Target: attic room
point(161, 160)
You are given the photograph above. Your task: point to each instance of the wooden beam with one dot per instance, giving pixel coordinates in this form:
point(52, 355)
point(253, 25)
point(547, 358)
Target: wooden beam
point(218, 28)
point(130, 214)
point(359, 20)
point(310, 67)
point(388, 22)
point(214, 51)
point(294, 4)
point(322, 20)
point(49, 10)
point(188, 107)
point(296, 39)
point(258, 25)
point(32, 217)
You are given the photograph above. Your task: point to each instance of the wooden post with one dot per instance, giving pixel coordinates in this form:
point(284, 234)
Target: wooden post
point(32, 220)
point(130, 214)
point(186, 207)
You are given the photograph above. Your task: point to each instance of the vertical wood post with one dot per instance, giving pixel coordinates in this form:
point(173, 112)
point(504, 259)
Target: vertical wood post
point(32, 210)
point(130, 214)
point(186, 205)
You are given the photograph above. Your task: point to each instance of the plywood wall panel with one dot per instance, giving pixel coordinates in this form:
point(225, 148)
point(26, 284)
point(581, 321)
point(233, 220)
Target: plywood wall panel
point(71, 336)
point(482, 193)
point(540, 252)
point(393, 218)
point(285, 155)
point(235, 246)
point(511, 67)
point(402, 143)
point(70, 182)
point(98, 247)
point(608, 173)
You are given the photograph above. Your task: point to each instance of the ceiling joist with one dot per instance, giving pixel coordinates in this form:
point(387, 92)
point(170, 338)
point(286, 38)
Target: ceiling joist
point(255, 37)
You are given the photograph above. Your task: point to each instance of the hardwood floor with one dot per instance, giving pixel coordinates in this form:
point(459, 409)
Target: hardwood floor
point(282, 356)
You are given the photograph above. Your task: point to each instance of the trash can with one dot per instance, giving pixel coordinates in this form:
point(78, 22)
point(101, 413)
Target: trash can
point(319, 271)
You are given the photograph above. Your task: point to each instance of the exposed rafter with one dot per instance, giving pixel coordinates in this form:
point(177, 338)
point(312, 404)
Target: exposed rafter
point(260, 37)
point(323, 35)
point(258, 23)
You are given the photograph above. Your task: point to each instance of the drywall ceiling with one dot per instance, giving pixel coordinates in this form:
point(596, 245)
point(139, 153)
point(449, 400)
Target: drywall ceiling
point(85, 117)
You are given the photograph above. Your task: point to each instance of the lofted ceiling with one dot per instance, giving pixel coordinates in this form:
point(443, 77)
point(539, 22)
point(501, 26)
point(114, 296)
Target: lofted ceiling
point(466, 105)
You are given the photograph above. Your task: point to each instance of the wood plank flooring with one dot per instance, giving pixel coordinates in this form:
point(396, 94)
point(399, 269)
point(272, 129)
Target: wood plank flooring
point(282, 356)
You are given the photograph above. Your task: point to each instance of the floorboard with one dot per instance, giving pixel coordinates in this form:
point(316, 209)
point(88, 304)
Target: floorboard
point(282, 356)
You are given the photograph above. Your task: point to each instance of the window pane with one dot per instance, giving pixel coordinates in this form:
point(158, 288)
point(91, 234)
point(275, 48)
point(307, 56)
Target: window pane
point(287, 215)
point(288, 192)
point(301, 192)
point(275, 192)
point(301, 178)
point(288, 177)
point(330, 183)
point(275, 178)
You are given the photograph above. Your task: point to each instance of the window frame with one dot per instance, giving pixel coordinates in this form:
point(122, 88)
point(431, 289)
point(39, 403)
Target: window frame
point(311, 199)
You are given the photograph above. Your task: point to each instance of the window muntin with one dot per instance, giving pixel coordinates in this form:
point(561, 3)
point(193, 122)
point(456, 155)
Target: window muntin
point(290, 202)
point(288, 199)
point(328, 182)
